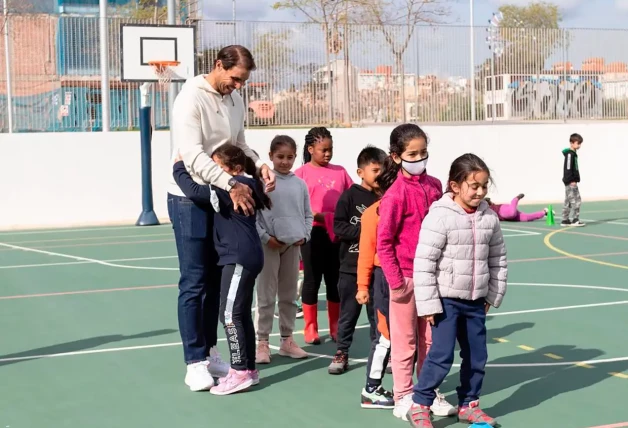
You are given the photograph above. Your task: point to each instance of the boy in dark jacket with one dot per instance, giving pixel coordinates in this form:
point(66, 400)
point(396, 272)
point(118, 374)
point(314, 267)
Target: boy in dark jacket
point(571, 178)
point(347, 215)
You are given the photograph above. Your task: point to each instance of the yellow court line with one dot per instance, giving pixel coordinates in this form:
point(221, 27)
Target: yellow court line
point(585, 365)
point(526, 348)
point(554, 356)
point(500, 340)
point(548, 244)
point(620, 375)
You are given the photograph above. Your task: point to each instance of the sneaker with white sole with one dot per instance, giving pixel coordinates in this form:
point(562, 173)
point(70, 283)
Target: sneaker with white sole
point(235, 381)
point(255, 376)
point(441, 406)
point(289, 348)
point(262, 353)
point(198, 378)
point(402, 407)
point(217, 367)
point(378, 399)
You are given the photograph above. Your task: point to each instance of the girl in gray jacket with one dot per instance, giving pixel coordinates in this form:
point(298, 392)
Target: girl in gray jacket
point(460, 271)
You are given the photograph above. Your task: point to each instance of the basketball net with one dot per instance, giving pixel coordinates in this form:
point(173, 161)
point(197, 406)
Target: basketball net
point(163, 70)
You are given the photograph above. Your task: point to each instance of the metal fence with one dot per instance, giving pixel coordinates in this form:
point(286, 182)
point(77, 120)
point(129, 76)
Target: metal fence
point(308, 74)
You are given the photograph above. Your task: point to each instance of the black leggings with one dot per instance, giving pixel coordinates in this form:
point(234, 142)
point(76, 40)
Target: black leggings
point(320, 259)
point(236, 301)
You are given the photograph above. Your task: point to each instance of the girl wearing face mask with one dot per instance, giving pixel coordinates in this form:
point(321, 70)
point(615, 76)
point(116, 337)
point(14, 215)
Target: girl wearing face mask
point(402, 210)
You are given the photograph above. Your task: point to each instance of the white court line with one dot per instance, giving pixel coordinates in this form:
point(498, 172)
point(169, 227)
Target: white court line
point(83, 259)
point(562, 363)
point(520, 232)
point(104, 229)
point(85, 262)
point(590, 220)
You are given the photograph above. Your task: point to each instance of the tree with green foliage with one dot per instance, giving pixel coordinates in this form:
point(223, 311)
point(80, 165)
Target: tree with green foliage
point(531, 35)
point(273, 56)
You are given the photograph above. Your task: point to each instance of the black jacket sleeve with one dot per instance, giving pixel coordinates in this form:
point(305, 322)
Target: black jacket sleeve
point(196, 192)
point(343, 229)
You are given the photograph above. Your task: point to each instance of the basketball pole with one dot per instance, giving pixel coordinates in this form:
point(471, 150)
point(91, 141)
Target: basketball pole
point(148, 216)
point(104, 66)
point(172, 87)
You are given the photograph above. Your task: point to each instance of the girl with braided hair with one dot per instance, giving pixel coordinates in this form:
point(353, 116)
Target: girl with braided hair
point(325, 183)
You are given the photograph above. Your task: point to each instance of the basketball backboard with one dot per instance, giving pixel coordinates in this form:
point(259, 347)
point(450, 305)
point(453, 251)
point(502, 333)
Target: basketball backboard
point(141, 44)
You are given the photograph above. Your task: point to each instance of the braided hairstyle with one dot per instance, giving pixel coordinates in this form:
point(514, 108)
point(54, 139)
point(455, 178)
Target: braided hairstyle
point(313, 136)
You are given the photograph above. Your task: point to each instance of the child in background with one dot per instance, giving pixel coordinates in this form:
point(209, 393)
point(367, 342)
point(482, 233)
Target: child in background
point(571, 178)
point(325, 183)
point(349, 209)
point(373, 288)
point(402, 209)
point(283, 230)
point(460, 271)
point(241, 257)
point(510, 212)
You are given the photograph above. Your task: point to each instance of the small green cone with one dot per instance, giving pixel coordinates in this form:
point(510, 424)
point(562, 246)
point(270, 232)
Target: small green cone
point(550, 217)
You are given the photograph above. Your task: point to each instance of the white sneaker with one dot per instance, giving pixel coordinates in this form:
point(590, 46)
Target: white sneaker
point(217, 367)
point(198, 377)
point(402, 407)
point(441, 406)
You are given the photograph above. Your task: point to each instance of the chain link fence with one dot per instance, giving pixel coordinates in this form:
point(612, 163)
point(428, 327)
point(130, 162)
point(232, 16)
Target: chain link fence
point(308, 74)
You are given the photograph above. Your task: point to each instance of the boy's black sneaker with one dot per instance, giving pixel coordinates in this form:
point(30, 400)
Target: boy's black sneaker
point(565, 223)
point(378, 399)
point(576, 223)
point(339, 364)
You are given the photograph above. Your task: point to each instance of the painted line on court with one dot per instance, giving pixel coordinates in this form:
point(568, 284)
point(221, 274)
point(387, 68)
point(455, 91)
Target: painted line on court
point(521, 232)
point(590, 220)
point(135, 259)
point(587, 364)
point(72, 230)
point(572, 231)
point(553, 356)
point(89, 238)
point(619, 425)
point(99, 244)
point(548, 243)
point(102, 290)
point(84, 259)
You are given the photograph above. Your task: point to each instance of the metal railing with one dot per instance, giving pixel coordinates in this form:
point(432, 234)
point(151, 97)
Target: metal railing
point(308, 75)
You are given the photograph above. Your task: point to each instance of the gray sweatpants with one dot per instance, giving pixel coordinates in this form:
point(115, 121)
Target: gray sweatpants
point(572, 203)
point(277, 283)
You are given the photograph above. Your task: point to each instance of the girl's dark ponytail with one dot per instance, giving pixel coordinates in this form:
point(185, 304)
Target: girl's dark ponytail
point(313, 136)
point(389, 173)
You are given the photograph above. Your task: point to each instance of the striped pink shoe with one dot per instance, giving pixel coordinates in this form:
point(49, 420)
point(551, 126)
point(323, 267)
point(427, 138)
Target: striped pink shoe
point(472, 414)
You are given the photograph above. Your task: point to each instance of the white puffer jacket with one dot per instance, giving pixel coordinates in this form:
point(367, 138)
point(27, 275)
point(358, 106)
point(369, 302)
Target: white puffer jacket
point(459, 255)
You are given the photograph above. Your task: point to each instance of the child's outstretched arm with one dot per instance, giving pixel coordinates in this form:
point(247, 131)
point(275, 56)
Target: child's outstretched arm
point(497, 267)
point(190, 188)
point(432, 240)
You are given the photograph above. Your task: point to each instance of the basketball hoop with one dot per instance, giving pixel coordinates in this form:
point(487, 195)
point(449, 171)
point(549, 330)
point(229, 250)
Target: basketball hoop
point(163, 70)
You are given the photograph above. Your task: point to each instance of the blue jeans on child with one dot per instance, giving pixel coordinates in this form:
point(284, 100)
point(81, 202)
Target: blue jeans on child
point(464, 320)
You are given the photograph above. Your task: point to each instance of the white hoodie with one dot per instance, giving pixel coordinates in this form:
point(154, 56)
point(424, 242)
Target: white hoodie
point(204, 120)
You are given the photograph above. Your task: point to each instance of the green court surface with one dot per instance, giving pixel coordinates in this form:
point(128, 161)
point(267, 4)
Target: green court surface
point(89, 337)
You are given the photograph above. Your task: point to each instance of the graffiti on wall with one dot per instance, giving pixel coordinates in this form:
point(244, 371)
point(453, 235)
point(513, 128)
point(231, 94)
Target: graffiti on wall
point(556, 97)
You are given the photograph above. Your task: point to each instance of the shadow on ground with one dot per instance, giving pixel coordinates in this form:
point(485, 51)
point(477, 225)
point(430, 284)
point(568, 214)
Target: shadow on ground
point(78, 345)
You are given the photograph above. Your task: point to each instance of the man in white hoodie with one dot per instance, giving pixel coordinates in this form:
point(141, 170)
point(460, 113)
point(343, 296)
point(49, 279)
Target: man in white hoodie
point(207, 113)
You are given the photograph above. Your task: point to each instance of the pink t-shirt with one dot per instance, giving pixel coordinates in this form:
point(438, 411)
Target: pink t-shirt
point(325, 184)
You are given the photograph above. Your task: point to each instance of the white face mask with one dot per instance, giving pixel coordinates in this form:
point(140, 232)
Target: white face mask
point(415, 167)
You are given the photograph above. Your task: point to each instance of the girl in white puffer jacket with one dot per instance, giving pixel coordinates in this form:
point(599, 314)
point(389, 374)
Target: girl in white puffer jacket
point(460, 271)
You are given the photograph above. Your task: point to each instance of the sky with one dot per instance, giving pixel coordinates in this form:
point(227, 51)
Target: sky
point(577, 13)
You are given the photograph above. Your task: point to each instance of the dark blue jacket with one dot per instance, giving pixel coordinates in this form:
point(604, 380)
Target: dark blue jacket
point(235, 235)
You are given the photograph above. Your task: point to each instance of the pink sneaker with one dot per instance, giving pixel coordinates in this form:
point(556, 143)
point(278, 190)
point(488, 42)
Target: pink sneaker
point(290, 349)
point(235, 381)
point(255, 376)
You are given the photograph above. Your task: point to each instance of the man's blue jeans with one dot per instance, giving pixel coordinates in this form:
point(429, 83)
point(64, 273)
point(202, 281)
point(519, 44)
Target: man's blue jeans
point(199, 284)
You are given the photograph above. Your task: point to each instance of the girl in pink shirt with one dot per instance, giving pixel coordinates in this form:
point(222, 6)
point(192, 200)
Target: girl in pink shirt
point(325, 183)
point(403, 208)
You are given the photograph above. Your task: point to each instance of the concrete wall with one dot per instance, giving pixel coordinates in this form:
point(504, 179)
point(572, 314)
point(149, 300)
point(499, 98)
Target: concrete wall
point(72, 179)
